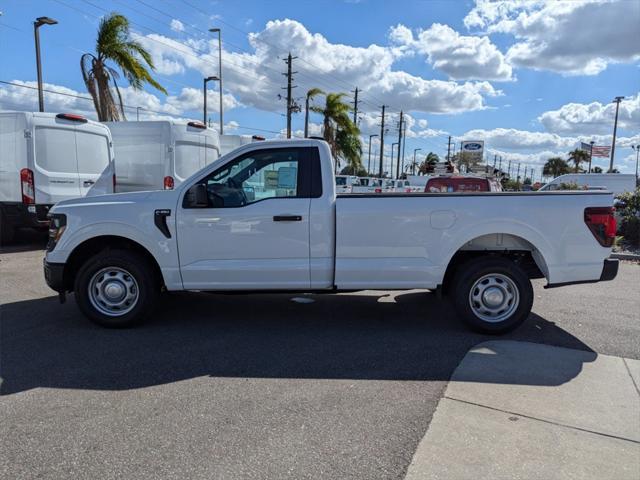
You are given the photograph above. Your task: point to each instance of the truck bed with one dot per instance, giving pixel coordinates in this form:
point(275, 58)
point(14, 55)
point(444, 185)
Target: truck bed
point(406, 240)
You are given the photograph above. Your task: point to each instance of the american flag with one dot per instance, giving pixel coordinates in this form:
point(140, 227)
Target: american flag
point(600, 151)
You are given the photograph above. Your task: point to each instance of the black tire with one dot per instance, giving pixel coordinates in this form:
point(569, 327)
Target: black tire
point(139, 278)
point(491, 272)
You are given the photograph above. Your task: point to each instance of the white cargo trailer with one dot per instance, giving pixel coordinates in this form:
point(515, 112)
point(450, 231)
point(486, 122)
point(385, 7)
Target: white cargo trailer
point(159, 155)
point(46, 158)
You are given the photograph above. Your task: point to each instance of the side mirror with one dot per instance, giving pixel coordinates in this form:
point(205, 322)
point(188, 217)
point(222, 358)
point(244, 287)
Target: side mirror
point(197, 196)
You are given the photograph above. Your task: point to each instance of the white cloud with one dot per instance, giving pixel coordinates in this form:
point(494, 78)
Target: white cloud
point(579, 37)
point(189, 100)
point(256, 80)
point(592, 118)
point(177, 25)
point(461, 57)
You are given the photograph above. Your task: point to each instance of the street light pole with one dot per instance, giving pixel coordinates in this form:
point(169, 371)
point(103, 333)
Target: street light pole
point(36, 26)
point(369, 163)
point(217, 30)
point(204, 92)
point(414, 160)
point(617, 101)
point(590, 154)
point(637, 149)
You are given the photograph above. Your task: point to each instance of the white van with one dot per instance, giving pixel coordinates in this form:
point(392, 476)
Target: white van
point(228, 143)
point(614, 182)
point(46, 158)
point(157, 155)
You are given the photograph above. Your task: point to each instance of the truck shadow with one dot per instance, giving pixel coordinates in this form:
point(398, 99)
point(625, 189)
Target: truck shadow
point(407, 336)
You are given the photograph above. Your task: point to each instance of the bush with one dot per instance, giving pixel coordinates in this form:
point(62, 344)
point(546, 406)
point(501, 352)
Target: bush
point(630, 229)
point(569, 186)
point(630, 213)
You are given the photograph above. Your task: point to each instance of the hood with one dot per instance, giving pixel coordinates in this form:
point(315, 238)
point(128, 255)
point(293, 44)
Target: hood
point(114, 199)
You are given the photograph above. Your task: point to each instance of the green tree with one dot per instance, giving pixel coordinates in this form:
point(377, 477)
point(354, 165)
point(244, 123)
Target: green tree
point(113, 44)
point(554, 167)
point(578, 156)
point(429, 163)
point(338, 130)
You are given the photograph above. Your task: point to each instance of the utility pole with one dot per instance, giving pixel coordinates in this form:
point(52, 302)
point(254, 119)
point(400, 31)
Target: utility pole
point(449, 149)
point(404, 144)
point(381, 142)
point(400, 127)
point(391, 157)
point(637, 149)
point(355, 107)
point(525, 172)
point(590, 154)
point(617, 101)
point(495, 158)
point(518, 174)
point(509, 170)
point(289, 87)
point(369, 164)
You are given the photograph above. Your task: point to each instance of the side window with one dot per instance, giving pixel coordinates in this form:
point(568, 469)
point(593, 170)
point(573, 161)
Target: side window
point(257, 176)
point(93, 152)
point(56, 149)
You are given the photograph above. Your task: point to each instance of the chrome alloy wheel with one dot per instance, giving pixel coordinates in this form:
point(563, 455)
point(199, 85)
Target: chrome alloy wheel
point(113, 291)
point(494, 297)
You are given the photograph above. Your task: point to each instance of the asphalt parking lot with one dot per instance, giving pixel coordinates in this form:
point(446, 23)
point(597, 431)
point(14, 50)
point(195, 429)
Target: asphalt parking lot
point(258, 386)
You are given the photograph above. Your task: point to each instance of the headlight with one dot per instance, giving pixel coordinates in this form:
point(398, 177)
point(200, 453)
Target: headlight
point(57, 226)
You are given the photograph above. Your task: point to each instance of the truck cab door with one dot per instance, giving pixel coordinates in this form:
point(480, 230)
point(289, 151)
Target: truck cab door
point(252, 232)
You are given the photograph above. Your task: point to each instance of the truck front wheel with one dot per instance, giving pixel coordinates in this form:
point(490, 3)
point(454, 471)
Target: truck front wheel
point(492, 294)
point(116, 289)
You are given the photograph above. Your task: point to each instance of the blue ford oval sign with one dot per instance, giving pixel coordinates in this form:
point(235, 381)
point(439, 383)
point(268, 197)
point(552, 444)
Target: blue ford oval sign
point(472, 146)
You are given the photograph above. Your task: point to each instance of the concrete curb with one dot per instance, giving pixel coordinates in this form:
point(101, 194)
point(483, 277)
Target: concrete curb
point(520, 410)
point(626, 256)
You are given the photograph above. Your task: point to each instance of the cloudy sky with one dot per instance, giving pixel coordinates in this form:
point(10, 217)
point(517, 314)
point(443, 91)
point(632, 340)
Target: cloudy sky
point(531, 78)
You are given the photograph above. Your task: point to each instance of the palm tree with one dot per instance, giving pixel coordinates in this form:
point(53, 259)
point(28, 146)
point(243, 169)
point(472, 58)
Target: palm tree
point(113, 44)
point(429, 163)
point(338, 130)
point(310, 94)
point(554, 167)
point(578, 156)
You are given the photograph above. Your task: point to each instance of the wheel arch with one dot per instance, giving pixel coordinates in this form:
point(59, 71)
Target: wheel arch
point(525, 253)
point(91, 246)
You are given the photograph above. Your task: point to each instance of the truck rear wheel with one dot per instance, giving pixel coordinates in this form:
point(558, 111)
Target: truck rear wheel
point(116, 289)
point(492, 294)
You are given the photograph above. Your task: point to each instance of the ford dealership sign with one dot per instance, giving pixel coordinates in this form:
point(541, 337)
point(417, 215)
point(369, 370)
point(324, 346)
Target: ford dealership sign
point(475, 147)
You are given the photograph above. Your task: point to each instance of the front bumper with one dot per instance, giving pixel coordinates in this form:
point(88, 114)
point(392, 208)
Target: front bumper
point(54, 275)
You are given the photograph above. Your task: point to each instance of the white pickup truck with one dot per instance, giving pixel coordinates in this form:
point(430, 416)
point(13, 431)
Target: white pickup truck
point(266, 217)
